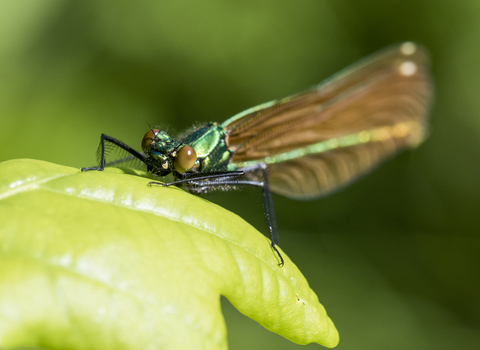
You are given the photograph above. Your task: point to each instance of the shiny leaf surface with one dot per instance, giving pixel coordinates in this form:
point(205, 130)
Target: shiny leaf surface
point(100, 260)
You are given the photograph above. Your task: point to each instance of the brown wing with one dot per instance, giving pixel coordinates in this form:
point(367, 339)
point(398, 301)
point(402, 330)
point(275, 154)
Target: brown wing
point(322, 139)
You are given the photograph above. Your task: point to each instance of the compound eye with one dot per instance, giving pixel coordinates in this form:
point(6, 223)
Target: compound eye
point(185, 159)
point(148, 139)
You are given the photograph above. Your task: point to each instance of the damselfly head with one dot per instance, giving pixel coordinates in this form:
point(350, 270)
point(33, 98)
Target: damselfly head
point(165, 154)
point(159, 142)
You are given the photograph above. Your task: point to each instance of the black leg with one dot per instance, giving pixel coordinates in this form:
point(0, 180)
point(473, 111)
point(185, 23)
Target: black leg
point(200, 176)
point(117, 143)
point(267, 199)
point(270, 212)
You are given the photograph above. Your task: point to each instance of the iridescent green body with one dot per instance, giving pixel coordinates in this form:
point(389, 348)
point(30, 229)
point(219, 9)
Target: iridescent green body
point(373, 135)
point(212, 150)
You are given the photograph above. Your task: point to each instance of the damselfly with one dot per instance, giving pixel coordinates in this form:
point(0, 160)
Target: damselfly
point(303, 146)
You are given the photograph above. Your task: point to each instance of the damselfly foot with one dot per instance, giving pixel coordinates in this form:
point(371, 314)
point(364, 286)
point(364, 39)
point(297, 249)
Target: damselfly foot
point(282, 262)
point(93, 168)
point(159, 183)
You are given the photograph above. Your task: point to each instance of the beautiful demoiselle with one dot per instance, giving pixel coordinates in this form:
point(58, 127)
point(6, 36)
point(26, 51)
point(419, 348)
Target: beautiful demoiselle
point(303, 146)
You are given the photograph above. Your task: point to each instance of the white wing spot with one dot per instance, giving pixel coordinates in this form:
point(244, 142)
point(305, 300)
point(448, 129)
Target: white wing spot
point(408, 48)
point(408, 68)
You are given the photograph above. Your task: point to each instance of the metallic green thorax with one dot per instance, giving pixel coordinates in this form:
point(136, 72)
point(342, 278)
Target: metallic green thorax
point(212, 151)
point(208, 142)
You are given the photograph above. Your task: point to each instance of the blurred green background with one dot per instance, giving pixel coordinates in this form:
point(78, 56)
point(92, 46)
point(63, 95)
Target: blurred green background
point(395, 257)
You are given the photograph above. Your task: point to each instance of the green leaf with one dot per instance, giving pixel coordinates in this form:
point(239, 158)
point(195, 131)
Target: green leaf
point(100, 260)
